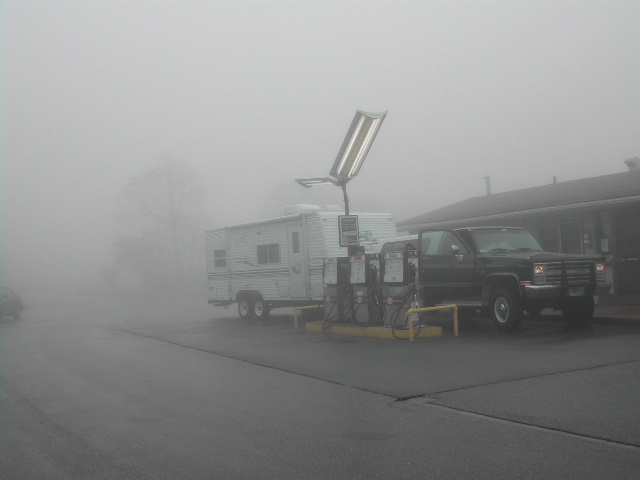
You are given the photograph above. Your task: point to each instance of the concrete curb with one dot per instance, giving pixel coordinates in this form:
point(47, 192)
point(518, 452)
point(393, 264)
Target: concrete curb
point(597, 319)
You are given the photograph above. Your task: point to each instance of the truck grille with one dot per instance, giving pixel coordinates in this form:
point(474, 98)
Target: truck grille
point(578, 272)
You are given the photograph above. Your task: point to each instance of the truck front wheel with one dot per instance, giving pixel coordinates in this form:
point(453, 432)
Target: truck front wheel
point(506, 310)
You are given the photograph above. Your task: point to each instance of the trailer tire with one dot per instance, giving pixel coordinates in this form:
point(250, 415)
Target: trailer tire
point(260, 309)
point(245, 307)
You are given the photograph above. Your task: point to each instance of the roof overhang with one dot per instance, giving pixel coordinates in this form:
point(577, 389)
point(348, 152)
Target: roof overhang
point(611, 202)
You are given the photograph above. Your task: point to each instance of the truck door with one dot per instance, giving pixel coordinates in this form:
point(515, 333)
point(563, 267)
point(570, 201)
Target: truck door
point(297, 268)
point(447, 275)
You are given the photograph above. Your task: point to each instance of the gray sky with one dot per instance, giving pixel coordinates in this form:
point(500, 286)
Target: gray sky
point(255, 94)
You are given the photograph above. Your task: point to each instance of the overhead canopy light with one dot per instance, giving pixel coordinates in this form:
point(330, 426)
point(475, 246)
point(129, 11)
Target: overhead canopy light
point(311, 181)
point(356, 145)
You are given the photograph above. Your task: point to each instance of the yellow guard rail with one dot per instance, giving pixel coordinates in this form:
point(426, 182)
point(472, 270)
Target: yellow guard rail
point(432, 309)
point(295, 312)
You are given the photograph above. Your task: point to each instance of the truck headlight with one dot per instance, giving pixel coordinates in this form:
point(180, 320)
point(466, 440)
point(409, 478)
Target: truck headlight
point(539, 273)
point(600, 268)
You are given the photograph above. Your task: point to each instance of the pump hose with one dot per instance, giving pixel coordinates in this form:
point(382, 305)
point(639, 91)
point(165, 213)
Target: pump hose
point(372, 294)
point(397, 314)
point(330, 320)
point(379, 305)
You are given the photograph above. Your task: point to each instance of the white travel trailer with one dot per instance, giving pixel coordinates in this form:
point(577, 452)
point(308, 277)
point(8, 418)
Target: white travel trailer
point(278, 262)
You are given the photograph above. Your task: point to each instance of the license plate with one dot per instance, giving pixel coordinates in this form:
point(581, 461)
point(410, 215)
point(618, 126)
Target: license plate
point(576, 291)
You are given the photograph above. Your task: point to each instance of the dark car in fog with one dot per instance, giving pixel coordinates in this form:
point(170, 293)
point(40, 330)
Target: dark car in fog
point(10, 303)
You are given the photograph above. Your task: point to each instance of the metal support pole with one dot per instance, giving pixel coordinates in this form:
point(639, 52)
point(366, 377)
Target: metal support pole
point(411, 311)
point(346, 198)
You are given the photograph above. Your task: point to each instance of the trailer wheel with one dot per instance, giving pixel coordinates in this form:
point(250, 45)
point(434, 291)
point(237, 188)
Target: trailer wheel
point(260, 309)
point(245, 308)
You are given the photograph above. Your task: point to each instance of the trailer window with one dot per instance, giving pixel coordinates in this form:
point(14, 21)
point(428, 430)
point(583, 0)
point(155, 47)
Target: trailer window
point(220, 258)
point(269, 253)
point(295, 242)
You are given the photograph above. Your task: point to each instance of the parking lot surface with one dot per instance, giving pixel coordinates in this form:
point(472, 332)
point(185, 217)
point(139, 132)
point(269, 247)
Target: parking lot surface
point(584, 381)
point(166, 388)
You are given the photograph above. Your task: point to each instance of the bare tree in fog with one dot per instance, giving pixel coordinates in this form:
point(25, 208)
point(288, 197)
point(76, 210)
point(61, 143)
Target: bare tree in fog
point(163, 211)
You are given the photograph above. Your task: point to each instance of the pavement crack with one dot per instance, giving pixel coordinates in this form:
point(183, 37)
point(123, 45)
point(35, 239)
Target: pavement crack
point(531, 426)
point(430, 399)
point(256, 363)
point(519, 379)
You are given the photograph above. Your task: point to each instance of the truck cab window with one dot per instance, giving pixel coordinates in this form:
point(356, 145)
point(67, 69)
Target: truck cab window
point(501, 240)
point(399, 246)
point(447, 242)
point(430, 242)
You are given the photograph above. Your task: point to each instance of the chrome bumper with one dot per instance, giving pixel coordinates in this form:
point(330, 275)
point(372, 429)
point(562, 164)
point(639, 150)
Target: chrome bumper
point(555, 291)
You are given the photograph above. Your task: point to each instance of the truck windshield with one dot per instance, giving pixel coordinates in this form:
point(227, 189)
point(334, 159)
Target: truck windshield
point(505, 240)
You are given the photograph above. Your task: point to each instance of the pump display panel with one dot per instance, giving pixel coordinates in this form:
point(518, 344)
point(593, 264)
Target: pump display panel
point(358, 270)
point(330, 271)
point(396, 268)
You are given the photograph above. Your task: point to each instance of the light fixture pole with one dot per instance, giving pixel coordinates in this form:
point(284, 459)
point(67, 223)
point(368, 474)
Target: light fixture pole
point(356, 145)
point(346, 198)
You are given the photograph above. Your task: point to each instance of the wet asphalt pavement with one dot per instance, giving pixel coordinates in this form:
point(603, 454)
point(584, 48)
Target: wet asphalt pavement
point(110, 388)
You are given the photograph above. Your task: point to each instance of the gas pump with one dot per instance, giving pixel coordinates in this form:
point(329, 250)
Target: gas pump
point(365, 282)
point(399, 286)
point(337, 294)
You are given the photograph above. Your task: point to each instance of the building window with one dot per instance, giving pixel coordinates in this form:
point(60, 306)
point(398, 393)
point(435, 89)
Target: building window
point(571, 237)
point(548, 235)
point(567, 238)
point(269, 253)
point(295, 242)
point(220, 258)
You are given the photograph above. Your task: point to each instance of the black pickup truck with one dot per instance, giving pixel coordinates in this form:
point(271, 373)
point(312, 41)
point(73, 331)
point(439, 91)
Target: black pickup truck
point(503, 272)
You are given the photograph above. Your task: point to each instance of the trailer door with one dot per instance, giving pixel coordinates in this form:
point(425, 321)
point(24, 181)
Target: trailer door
point(297, 270)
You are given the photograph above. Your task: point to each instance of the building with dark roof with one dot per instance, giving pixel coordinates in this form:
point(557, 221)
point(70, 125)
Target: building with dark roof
point(598, 215)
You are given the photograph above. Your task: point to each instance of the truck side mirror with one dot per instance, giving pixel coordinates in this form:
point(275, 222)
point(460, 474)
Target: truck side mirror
point(455, 250)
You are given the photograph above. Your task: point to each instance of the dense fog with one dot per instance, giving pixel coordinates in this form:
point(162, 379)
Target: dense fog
point(243, 97)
